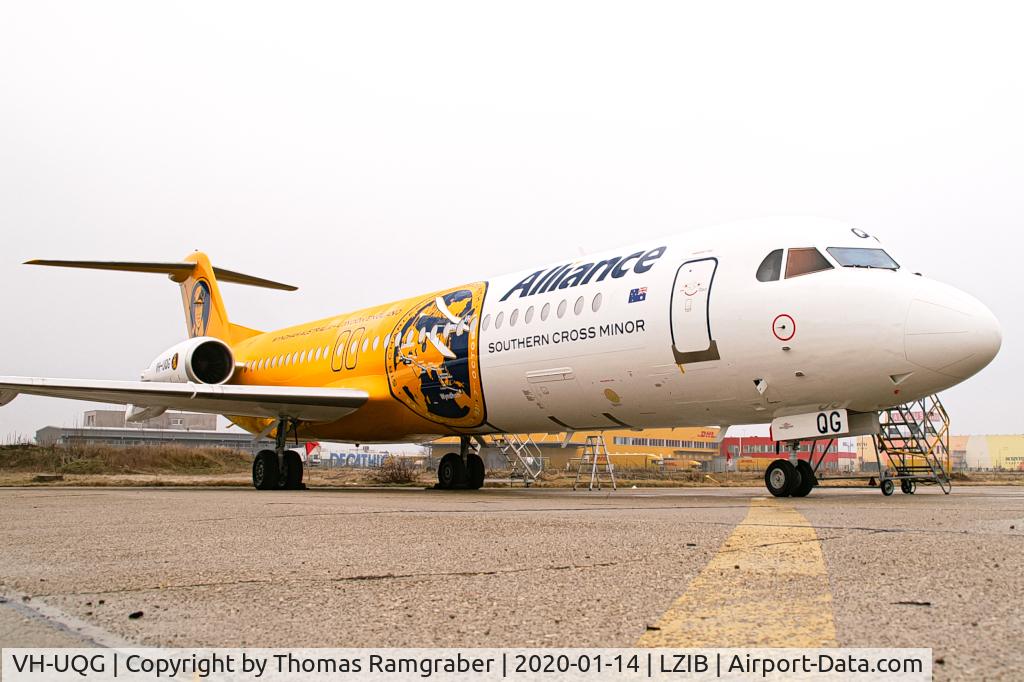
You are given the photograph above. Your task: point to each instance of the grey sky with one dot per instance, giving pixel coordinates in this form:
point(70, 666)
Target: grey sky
point(369, 151)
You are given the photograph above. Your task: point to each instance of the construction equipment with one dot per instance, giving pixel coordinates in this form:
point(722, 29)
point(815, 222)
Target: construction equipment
point(524, 456)
point(595, 460)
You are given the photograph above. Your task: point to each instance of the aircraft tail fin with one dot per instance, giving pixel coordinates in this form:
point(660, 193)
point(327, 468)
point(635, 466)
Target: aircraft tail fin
point(205, 314)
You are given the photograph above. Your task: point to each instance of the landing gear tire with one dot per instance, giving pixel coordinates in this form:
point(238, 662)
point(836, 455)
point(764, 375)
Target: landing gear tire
point(293, 471)
point(474, 471)
point(807, 480)
point(451, 472)
point(265, 475)
point(908, 487)
point(781, 478)
point(887, 487)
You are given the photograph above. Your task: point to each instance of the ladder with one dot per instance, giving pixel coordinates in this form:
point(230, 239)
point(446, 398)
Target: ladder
point(915, 439)
point(595, 459)
point(523, 455)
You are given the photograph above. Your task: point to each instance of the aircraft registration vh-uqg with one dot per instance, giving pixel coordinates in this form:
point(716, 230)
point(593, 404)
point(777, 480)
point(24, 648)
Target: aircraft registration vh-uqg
point(807, 324)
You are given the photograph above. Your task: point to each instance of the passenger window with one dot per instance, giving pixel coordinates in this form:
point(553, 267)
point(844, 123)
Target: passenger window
point(498, 320)
point(771, 267)
point(544, 312)
point(805, 261)
point(366, 344)
point(486, 323)
point(561, 309)
point(578, 308)
point(376, 342)
point(528, 318)
point(387, 339)
point(513, 318)
point(596, 305)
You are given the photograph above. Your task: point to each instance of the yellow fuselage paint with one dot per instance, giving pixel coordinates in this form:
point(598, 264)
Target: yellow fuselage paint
point(390, 351)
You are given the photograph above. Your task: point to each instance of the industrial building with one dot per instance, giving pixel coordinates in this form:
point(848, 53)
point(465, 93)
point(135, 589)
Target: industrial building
point(755, 453)
point(189, 429)
point(174, 421)
point(987, 453)
point(968, 452)
point(679, 448)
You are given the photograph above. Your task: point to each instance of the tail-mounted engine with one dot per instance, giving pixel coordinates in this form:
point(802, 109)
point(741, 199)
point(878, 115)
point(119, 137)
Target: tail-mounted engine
point(201, 360)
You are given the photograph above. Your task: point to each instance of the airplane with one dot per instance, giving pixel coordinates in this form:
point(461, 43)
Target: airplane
point(807, 324)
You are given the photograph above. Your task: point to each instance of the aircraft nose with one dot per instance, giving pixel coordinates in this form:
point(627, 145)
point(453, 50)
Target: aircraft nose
point(950, 332)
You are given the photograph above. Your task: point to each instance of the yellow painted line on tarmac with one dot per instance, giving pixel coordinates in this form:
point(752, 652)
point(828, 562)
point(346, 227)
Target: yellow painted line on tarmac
point(766, 587)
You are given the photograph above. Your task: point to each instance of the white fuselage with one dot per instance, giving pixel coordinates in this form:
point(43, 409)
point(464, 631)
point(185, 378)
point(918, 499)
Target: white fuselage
point(693, 337)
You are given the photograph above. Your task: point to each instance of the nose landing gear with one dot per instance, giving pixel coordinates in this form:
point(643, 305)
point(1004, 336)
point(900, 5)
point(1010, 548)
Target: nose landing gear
point(789, 478)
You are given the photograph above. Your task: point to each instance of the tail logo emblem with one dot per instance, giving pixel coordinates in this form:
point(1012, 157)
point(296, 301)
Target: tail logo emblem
point(199, 310)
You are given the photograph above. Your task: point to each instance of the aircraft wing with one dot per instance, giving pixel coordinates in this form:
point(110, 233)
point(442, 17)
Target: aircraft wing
point(308, 404)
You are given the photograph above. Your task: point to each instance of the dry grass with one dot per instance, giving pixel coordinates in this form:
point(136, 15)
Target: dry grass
point(105, 459)
point(170, 465)
point(395, 471)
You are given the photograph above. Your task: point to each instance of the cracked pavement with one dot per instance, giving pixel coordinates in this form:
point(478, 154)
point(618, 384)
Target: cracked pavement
point(497, 567)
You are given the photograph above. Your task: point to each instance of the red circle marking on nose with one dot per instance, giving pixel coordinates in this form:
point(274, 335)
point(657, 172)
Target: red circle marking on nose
point(784, 327)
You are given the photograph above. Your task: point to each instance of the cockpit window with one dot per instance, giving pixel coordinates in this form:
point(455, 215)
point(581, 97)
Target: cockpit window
point(805, 261)
point(771, 267)
point(863, 258)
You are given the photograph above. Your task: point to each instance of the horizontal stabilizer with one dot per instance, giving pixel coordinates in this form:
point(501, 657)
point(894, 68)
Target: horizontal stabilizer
point(178, 272)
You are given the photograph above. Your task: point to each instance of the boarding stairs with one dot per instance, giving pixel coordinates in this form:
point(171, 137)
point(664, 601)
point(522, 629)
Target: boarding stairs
point(595, 462)
point(914, 437)
point(524, 456)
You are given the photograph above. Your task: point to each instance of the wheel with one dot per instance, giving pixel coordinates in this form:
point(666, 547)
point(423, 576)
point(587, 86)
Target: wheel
point(264, 470)
point(807, 480)
point(293, 470)
point(781, 477)
point(475, 472)
point(907, 486)
point(451, 471)
point(887, 487)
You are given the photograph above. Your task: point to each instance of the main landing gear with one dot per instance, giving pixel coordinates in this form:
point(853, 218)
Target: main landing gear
point(278, 469)
point(461, 470)
point(786, 478)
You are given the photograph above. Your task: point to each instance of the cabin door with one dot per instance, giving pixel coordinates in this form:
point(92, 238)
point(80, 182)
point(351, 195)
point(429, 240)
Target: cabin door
point(689, 316)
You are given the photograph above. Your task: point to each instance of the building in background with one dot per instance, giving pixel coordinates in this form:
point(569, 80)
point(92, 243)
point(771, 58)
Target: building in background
point(755, 453)
point(189, 429)
point(179, 421)
point(970, 453)
point(679, 448)
point(993, 453)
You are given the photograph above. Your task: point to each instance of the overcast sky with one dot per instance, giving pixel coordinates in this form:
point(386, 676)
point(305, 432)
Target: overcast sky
point(370, 151)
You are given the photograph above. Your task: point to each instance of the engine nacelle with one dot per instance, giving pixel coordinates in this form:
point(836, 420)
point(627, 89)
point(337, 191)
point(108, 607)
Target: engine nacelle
point(202, 360)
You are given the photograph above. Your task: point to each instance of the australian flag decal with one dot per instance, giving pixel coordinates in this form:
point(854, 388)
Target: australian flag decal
point(637, 295)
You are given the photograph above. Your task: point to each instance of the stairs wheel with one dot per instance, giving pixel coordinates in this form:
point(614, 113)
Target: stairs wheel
point(887, 487)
